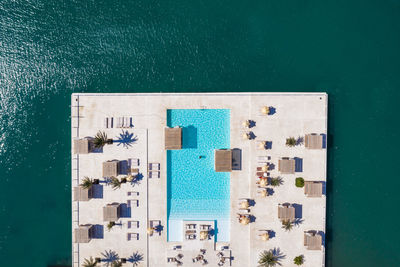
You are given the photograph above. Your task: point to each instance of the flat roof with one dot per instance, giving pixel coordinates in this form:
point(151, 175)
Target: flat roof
point(110, 168)
point(82, 146)
point(111, 212)
point(313, 141)
point(313, 189)
point(173, 138)
point(83, 233)
point(286, 212)
point(82, 194)
point(223, 160)
point(287, 166)
point(313, 241)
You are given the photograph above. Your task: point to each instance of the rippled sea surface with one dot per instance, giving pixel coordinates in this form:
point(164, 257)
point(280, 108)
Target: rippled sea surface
point(49, 49)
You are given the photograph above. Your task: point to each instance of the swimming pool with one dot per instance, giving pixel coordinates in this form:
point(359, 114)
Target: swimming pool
point(195, 190)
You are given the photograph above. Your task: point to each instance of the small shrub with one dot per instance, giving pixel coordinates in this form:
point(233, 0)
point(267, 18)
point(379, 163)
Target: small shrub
point(299, 260)
point(299, 182)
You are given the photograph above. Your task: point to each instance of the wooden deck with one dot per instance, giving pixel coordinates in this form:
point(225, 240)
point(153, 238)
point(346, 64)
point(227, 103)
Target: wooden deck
point(223, 160)
point(173, 138)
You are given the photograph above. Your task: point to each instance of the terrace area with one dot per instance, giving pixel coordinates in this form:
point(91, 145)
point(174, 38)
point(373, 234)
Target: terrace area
point(122, 212)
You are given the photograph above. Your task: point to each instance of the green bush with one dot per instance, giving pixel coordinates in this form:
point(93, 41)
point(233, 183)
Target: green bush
point(299, 182)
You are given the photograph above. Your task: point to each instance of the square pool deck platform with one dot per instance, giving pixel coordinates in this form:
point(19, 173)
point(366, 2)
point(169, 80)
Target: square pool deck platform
point(292, 115)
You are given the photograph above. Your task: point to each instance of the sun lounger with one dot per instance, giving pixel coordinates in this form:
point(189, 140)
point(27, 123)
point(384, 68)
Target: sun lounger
point(171, 259)
point(132, 193)
point(154, 166)
point(155, 223)
point(154, 174)
point(263, 159)
point(133, 162)
point(133, 224)
point(205, 227)
point(132, 236)
point(190, 237)
point(106, 122)
point(133, 203)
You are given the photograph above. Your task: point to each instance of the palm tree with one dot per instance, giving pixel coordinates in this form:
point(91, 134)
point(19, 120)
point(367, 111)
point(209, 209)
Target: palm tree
point(299, 260)
point(109, 257)
point(276, 181)
point(101, 140)
point(287, 225)
point(136, 258)
point(110, 225)
point(87, 183)
point(291, 141)
point(89, 262)
point(115, 183)
point(268, 259)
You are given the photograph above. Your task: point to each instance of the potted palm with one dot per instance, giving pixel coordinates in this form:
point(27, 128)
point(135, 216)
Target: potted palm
point(268, 259)
point(275, 181)
point(101, 140)
point(287, 225)
point(110, 225)
point(89, 262)
point(299, 260)
point(291, 142)
point(115, 183)
point(87, 183)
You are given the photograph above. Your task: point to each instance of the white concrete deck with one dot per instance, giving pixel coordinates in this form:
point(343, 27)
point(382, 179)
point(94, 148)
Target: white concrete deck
point(296, 114)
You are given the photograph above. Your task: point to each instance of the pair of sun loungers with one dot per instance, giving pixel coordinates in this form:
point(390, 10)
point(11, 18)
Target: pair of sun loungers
point(119, 122)
point(132, 236)
point(154, 170)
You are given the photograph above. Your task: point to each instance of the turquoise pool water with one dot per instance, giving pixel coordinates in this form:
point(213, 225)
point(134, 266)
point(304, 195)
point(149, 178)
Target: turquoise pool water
point(195, 190)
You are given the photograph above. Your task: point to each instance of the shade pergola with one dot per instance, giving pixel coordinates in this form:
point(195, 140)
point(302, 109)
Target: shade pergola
point(286, 213)
point(111, 212)
point(82, 146)
point(110, 168)
point(223, 160)
point(287, 166)
point(82, 194)
point(84, 233)
point(313, 189)
point(312, 240)
point(173, 138)
point(313, 141)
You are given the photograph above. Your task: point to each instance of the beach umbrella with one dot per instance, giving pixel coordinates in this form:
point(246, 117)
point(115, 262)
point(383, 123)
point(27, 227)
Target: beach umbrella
point(245, 136)
point(246, 123)
point(263, 182)
point(262, 144)
point(265, 168)
point(245, 220)
point(203, 235)
point(265, 237)
point(244, 204)
point(129, 178)
point(264, 193)
point(265, 110)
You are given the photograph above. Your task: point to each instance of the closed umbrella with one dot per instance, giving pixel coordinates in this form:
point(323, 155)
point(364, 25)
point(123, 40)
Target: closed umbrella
point(245, 220)
point(265, 110)
point(265, 237)
point(244, 204)
point(203, 235)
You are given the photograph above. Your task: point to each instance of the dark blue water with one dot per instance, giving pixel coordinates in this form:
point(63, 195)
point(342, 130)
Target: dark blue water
point(49, 49)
